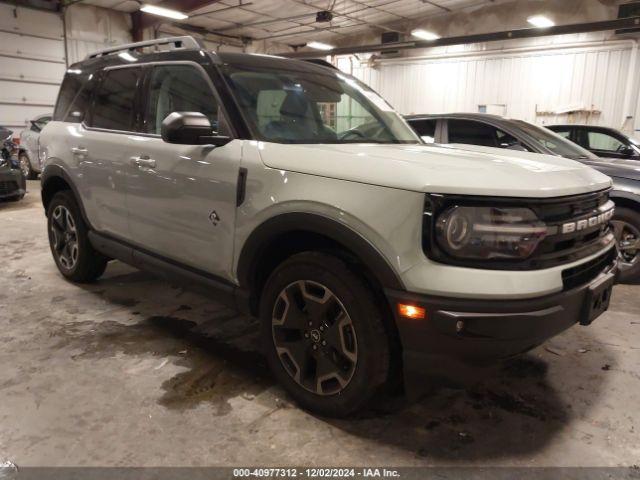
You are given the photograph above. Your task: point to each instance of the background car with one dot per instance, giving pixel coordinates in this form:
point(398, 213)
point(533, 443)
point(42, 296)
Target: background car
point(498, 132)
point(29, 162)
point(602, 141)
point(12, 181)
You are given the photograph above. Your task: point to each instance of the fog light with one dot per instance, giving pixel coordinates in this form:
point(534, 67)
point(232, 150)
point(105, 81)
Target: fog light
point(411, 311)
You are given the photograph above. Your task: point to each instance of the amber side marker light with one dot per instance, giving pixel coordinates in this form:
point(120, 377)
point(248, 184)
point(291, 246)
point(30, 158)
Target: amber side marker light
point(411, 311)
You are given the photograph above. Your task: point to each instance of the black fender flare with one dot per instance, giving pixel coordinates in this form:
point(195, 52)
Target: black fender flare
point(281, 224)
point(51, 172)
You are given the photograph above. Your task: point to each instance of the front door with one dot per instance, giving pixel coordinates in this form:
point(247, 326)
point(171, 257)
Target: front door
point(182, 198)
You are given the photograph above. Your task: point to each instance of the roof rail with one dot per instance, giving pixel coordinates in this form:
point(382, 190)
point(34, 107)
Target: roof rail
point(183, 42)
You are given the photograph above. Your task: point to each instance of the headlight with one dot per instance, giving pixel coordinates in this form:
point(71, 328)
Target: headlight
point(485, 233)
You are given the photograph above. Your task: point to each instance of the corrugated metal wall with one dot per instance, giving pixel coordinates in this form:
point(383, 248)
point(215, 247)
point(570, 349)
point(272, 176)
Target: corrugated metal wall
point(32, 54)
point(531, 83)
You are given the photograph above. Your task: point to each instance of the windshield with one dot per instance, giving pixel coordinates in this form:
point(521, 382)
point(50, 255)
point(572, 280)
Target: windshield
point(552, 141)
point(298, 106)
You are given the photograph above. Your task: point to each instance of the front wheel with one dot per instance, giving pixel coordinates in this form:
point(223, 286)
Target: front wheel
point(74, 255)
point(324, 335)
point(626, 227)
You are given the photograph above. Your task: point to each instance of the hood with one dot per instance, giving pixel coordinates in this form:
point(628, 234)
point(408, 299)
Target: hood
point(616, 167)
point(439, 169)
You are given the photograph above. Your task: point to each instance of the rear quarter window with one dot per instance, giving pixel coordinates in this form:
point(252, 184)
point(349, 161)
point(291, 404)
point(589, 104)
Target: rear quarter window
point(73, 99)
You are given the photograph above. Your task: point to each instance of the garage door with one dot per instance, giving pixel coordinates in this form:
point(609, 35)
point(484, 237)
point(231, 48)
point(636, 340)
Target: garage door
point(32, 61)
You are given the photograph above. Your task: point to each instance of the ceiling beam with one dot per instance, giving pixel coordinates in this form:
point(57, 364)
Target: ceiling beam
point(617, 24)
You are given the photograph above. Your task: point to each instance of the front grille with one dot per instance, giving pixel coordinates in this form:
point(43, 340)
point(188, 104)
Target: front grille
point(558, 247)
point(8, 187)
point(584, 273)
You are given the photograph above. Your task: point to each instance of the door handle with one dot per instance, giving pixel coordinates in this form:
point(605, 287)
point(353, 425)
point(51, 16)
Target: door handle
point(79, 150)
point(143, 161)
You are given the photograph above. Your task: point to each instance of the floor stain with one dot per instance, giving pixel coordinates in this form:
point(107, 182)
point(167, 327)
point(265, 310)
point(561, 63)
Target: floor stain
point(218, 367)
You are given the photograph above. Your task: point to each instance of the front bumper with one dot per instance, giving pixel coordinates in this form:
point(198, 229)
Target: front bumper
point(12, 183)
point(460, 336)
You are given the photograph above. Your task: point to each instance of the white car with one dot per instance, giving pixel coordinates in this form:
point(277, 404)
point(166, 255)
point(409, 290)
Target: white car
point(29, 161)
point(368, 255)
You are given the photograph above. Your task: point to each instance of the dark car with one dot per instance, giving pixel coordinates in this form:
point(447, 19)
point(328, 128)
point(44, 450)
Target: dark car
point(602, 141)
point(495, 131)
point(12, 181)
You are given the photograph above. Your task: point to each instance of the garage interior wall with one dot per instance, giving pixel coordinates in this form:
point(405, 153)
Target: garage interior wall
point(589, 78)
point(583, 81)
point(32, 54)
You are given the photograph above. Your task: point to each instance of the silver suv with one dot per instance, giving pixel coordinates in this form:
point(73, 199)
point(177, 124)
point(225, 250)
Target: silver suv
point(295, 193)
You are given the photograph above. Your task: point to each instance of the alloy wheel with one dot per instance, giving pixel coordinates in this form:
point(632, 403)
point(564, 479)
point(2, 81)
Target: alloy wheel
point(314, 337)
point(628, 238)
point(24, 166)
point(64, 237)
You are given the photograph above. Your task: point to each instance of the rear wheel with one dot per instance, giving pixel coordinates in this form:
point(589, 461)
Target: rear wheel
point(626, 227)
point(25, 166)
point(74, 255)
point(324, 334)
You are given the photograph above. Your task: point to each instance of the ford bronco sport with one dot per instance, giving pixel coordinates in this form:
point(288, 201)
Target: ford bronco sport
point(366, 254)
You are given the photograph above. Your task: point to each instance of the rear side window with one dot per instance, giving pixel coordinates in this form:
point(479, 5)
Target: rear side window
point(426, 129)
point(70, 99)
point(113, 106)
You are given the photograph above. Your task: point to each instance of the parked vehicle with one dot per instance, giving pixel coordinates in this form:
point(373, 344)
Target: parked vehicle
point(365, 254)
point(495, 131)
point(29, 161)
point(602, 141)
point(12, 182)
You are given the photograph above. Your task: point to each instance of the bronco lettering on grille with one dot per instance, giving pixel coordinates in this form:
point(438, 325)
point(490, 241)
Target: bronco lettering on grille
point(589, 222)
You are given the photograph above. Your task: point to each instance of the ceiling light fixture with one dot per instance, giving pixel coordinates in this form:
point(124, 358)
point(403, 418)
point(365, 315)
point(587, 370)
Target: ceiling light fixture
point(425, 34)
point(320, 46)
point(163, 12)
point(540, 21)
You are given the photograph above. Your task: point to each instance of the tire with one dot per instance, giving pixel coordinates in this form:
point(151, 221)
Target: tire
point(626, 224)
point(306, 292)
point(25, 166)
point(75, 258)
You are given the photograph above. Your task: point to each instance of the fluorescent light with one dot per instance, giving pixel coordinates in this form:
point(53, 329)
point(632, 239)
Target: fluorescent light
point(163, 12)
point(540, 21)
point(320, 46)
point(425, 34)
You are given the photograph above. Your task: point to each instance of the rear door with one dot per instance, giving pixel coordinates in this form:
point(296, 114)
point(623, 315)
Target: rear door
point(102, 148)
point(182, 198)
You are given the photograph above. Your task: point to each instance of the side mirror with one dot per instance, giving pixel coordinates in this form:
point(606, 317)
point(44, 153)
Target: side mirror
point(190, 128)
point(628, 151)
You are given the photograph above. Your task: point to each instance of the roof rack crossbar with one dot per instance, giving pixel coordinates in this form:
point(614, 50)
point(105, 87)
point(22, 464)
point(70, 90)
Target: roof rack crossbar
point(184, 42)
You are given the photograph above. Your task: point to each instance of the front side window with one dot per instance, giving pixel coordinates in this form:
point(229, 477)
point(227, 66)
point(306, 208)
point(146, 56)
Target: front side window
point(477, 133)
point(299, 106)
point(178, 88)
point(563, 132)
point(114, 103)
point(472, 133)
point(605, 142)
point(553, 142)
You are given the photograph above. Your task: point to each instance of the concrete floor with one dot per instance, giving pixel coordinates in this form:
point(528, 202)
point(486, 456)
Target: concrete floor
point(132, 371)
